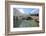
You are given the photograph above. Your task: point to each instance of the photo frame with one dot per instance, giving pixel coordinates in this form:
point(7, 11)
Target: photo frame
point(31, 13)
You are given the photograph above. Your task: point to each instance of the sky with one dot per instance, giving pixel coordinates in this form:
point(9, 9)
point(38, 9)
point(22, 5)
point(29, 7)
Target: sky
point(28, 10)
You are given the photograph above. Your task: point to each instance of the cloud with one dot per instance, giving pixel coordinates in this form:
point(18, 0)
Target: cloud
point(21, 10)
point(35, 11)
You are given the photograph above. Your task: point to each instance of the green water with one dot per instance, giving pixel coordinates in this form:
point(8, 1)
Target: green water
point(29, 23)
point(26, 23)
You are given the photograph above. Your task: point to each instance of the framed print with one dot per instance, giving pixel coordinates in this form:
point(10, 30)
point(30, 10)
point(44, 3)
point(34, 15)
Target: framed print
point(25, 17)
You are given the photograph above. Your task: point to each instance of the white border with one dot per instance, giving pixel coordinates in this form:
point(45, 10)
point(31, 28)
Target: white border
point(29, 28)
